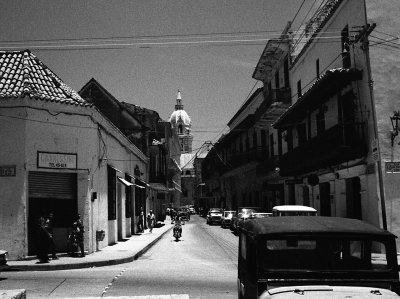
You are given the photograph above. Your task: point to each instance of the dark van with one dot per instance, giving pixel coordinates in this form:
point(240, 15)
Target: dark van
point(298, 253)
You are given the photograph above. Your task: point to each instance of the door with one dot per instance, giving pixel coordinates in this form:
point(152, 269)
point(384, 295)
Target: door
point(56, 193)
point(325, 199)
point(353, 198)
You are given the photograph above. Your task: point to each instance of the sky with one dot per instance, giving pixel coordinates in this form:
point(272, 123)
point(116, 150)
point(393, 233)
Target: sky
point(143, 51)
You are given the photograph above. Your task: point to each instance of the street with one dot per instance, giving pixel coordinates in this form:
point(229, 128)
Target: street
point(203, 264)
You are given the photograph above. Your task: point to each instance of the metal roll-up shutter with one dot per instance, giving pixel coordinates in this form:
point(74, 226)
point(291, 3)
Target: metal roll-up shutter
point(52, 184)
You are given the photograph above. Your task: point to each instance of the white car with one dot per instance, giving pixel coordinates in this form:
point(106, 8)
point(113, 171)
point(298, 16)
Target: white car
point(293, 210)
point(214, 215)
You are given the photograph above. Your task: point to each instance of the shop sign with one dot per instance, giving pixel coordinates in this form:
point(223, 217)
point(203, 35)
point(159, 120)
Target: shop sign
point(392, 167)
point(57, 160)
point(7, 170)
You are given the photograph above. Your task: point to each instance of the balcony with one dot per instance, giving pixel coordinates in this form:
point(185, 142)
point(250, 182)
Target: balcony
point(336, 145)
point(267, 165)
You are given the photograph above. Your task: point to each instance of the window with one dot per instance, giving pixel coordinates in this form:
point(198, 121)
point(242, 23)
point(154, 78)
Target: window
point(320, 117)
point(301, 133)
point(271, 144)
point(286, 72)
point(317, 67)
point(263, 139)
point(255, 140)
point(289, 139)
point(346, 47)
point(277, 80)
point(128, 198)
point(112, 193)
point(299, 93)
point(180, 129)
point(331, 253)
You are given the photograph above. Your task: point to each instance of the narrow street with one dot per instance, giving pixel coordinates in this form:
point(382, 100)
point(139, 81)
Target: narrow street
point(203, 264)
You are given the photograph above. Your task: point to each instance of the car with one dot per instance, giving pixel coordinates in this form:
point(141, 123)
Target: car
point(259, 215)
point(214, 215)
point(293, 210)
point(3, 260)
point(192, 210)
point(226, 218)
point(284, 257)
point(183, 213)
point(241, 213)
point(251, 216)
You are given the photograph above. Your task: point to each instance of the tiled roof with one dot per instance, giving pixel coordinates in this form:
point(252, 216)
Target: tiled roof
point(23, 74)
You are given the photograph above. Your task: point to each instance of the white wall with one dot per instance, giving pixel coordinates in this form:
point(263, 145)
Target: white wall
point(61, 128)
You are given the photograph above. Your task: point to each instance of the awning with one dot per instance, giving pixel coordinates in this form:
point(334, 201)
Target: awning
point(141, 183)
point(177, 187)
point(159, 187)
point(138, 186)
point(125, 182)
point(114, 168)
point(330, 83)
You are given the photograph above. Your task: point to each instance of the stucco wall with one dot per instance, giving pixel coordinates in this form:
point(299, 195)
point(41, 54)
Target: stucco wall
point(54, 127)
point(13, 189)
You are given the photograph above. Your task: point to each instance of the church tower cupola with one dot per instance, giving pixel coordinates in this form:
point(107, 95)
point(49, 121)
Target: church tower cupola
point(181, 122)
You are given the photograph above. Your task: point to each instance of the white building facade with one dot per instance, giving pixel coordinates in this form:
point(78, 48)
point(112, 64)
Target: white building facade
point(60, 155)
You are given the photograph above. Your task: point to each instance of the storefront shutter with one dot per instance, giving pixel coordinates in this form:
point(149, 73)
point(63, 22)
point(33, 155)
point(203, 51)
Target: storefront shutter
point(52, 184)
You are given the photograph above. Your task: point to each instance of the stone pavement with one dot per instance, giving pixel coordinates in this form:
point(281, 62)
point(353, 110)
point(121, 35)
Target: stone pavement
point(119, 253)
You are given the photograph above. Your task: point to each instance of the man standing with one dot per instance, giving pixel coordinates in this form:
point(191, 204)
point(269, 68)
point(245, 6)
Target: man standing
point(151, 220)
point(78, 228)
point(43, 240)
point(49, 227)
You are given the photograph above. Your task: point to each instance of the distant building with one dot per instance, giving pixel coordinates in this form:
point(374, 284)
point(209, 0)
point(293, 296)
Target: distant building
point(181, 123)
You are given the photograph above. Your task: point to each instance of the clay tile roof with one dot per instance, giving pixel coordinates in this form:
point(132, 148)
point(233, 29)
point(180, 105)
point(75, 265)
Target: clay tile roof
point(23, 74)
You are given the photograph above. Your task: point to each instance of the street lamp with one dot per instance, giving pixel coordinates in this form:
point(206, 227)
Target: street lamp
point(395, 125)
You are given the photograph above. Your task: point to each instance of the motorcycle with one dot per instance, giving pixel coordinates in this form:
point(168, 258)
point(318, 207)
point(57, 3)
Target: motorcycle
point(177, 231)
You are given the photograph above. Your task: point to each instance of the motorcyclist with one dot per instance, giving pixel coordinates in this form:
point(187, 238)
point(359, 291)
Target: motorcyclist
point(178, 225)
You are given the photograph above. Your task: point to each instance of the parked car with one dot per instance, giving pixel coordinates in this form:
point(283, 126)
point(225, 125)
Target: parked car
point(241, 213)
point(313, 254)
point(250, 217)
point(183, 213)
point(3, 259)
point(192, 210)
point(226, 218)
point(293, 210)
point(259, 215)
point(214, 215)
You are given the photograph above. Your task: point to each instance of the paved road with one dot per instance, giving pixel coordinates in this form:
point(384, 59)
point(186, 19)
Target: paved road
point(202, 265)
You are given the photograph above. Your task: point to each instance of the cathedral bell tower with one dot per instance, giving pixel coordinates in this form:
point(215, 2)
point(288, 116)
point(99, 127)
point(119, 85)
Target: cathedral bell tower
point(181, 122)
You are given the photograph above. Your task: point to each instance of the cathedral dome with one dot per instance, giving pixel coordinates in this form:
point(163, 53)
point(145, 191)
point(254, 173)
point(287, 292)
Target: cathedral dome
point(179, 116)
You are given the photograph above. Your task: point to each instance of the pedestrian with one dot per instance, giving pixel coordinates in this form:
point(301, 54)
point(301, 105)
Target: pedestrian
point(151, 220)
point(141, 222)
point(43, 238)
point(49, 226)
point(78, 230)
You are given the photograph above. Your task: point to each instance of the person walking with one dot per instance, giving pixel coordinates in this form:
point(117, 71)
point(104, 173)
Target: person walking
point(49, 227)
point(151, 220)
point(141, 222)
point(79, 229)
point(43, 238)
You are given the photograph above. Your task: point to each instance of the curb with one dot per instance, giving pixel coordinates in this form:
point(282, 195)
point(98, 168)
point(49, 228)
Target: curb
point(81, 265)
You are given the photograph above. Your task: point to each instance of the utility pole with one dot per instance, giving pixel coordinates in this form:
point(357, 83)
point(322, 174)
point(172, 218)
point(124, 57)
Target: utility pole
point(363, 38)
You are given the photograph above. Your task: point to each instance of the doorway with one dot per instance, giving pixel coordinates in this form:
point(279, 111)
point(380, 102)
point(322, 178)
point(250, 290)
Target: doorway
point(51, 192)
point(325, 199)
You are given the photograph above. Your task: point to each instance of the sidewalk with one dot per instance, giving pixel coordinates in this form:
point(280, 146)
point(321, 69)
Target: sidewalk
point(119, 253)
